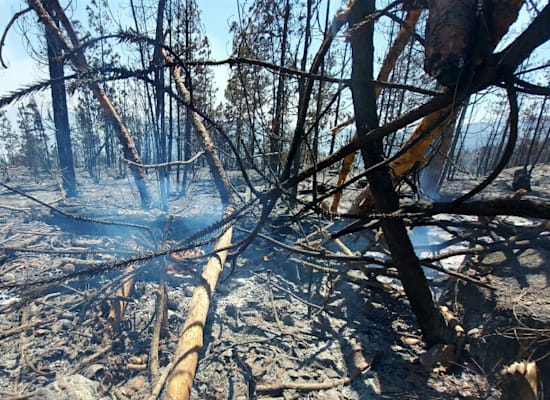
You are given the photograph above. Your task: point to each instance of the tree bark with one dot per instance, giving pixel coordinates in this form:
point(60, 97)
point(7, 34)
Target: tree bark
point(160, 107)
point(275, 137)
point(450, 39)
point(444, 49)
point(431, 321)
point(191, 339)
point(394, 52)
point(61, 115)
point(216, 167)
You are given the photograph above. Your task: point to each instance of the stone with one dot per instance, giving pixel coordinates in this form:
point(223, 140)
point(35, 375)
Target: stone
point(70, 387)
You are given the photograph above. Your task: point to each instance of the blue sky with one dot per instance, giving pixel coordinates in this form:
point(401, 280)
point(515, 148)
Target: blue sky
point(215, 15)
point(23, 70)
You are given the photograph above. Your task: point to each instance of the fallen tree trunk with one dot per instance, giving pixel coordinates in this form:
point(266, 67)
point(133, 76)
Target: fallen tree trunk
point(216, 167)
point(191, 339)
point(190, 342)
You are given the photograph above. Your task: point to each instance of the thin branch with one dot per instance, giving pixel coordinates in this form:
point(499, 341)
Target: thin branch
point(526, 87)
point(6, 29)
point(168, 164)
point(508, 150)
point(528, 70)
point(72, 216)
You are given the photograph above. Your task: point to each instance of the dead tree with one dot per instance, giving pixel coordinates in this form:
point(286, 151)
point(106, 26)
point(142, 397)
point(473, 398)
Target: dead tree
point(76, 56)
point(429, 318)
point(61, 115)
point(394, 52)
point(455, 49)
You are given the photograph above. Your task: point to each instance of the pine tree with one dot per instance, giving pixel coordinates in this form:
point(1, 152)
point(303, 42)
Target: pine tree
point(35, 143)
point(9, 140)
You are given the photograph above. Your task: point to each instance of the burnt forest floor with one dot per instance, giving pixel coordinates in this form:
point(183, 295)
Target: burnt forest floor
point(276, 328)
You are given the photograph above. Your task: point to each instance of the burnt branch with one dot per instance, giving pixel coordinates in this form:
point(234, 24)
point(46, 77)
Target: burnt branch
point(171, 163)
point(508, 150)
point(493, 207)
point(519, 50)
point(14, 18)
point(73, 216)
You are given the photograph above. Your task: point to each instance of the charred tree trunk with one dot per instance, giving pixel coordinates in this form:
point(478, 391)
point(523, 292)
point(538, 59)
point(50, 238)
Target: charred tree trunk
point(394, 52)
point(450, 38)
point(160, 107)
point(188, 112)
point(275, 137)
point(305, 87)
point(60, 113)
point(216, 168)
point(429, 318)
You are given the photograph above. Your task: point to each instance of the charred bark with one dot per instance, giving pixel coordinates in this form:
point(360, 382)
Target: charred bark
point(431, 321)
point(390, 60)
point(450, 39)
point(275, 138)
point(306, 88)
point(160, 108)
point(60, 114)
point(216, 168)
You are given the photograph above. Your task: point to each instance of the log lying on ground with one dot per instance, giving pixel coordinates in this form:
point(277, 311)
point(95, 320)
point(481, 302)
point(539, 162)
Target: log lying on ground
point(190, 343)
point(191, 340)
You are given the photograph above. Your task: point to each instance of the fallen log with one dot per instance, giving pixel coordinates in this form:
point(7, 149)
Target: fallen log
point(190, 342)
point(214, 163)
point(191, 339)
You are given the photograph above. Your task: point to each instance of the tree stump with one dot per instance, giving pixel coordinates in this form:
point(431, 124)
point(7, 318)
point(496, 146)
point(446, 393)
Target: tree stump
point(521, 180)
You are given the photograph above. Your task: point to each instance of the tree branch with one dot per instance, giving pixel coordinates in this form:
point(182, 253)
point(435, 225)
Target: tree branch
point(6, 30)
point(536, 34)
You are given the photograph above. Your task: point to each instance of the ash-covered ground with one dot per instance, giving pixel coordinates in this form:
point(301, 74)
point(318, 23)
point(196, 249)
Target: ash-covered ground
point(281, 325)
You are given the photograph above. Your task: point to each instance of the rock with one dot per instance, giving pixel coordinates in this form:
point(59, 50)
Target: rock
point(288, 320)
point(70, 387)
